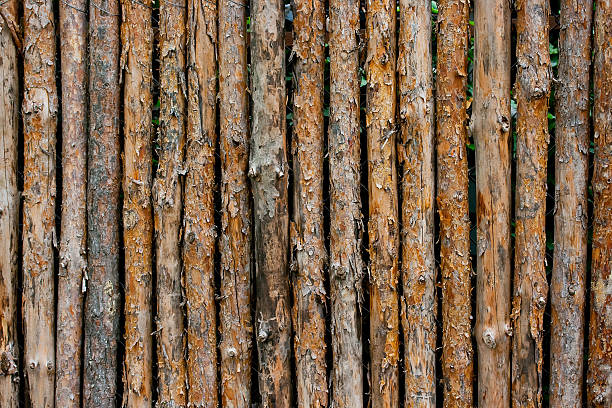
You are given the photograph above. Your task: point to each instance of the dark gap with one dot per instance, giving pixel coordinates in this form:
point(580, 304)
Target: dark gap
point(553, 34)
point(58, 174)
point(121, 277)
point(290, 85)
point(365, 302)
point(155, 158)
point(326, 209)
point(218, 214)
point(471, 163)
point(590, 208)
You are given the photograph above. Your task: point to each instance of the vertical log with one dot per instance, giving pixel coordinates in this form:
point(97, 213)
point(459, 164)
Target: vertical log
point(415, 150)
point(346, 227)
point(199, 212)
point(453, 204)
point(137, 70)
point(491, 129)
point(103, 187)
point(39, 239)
point(236, 324)
point(73, 239)
point(599, 378)
point(168, 203)
point(383, 216)
point(268, 171)
point(9, 206)
point(568, 280)
point(307, 229)
point(530, 284)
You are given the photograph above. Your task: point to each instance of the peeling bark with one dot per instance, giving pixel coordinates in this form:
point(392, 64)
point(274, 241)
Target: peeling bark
point(599, 379)
point(268, 171)
point(137, 70)
point(415, 150)
point(530, 284)
point(568, 281)
point(199, 224)
point(167, 205)
point(73, 239)
point(9, 208)
point(307, 228)
point(103, 187)
point(453, 204)
point(491, 129)
point(346, 225)
point(39, 239)
point(383, 211)
point(236, 324)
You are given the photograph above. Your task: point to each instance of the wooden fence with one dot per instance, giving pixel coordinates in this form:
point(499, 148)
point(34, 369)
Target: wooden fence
point(336, 203)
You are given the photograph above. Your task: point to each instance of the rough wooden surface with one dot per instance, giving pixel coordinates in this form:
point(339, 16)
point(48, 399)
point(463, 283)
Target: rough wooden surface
point(491, 130)
point(599, 378)
point(73, 237)
point(168, 203)
point(568, 280)
point(307, 235)
point(346, 225)
point(102, 299)
point(198, 213)
point(383, 228)
point(416, 173)
point(532, 90)
point(40, 104)
point(9, 207)
point(268, 170)
point(137, 65)
point(453, 203)
point(236, 325)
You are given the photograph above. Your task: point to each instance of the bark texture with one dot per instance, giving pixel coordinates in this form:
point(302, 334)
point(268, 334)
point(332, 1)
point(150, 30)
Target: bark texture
point(199, 211)
point(599, 379)
point(530, 284)
point(568, 281)
point(308, 246)
point(9, 207)
point(137, 71)
point(383, 212)
point(102, 301)
point(268, 170)
point(415, 150)
point(73, 238)
point(453, 203)
point(346, 225)
point(236, 324)
point(491, 129)
point(167, 205)
point(39, 238)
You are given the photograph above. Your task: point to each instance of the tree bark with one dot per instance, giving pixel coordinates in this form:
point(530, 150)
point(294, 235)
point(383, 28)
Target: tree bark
point(530, 284)
point(453, 203)
point(236, 324)
point(9, 207)
point(102, 301)
point(39, 239)
point(199, 212)
point(568, 281)
point(167, 205)
point(383, 211)
point(73, 238)
point(137, 69)
point(491, 128)
point(308, 246)
point(346, 226)
point(415, 149)
point(599, 379)
point(268, 170)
